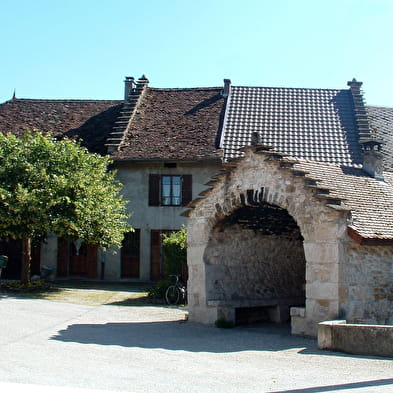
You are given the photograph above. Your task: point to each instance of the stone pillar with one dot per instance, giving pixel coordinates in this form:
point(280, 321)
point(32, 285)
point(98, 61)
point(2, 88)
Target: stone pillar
point(322, 286)
point(198, 234)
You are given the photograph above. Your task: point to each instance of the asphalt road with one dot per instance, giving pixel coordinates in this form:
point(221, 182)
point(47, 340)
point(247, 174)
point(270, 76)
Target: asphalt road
point(152, 349)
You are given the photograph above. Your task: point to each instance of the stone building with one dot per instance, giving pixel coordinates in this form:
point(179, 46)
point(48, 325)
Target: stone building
point(291, 189)
point(301, 228)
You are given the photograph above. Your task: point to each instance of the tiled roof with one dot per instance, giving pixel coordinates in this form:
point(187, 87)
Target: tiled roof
point(381, 122)
point(175, 124)
point(90, 120)
point(369, 200)
point(315, 124)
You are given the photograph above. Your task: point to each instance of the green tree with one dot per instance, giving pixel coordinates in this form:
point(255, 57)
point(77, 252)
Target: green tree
point(48, 185)
point(174, 248)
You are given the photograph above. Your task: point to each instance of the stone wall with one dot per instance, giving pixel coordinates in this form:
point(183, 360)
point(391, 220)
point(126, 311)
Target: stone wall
point(367, 284)
point(257, 179)
point(249, 265)
point(343, 279)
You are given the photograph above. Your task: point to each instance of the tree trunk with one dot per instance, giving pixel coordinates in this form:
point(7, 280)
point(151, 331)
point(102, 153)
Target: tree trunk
point(26, 260)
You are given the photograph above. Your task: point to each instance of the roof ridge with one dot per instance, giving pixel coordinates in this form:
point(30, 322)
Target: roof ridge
point(378, 106)
point(184, 88)
point(288, 88)
point(62, 100)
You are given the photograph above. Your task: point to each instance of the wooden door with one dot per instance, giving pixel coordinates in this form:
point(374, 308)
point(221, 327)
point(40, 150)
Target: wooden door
point(130, 254)
point(73, 263)
point(84, 262)
point(62, 257)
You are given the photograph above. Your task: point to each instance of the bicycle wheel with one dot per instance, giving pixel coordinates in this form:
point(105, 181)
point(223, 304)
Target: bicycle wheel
point(172, 295)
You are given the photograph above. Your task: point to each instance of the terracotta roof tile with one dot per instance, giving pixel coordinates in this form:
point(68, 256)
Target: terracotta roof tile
point(369, 200)
point(90, 120)
point(175, 124)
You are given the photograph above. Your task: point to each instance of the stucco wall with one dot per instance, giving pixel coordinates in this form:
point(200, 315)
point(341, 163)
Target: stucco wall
point(135, 178)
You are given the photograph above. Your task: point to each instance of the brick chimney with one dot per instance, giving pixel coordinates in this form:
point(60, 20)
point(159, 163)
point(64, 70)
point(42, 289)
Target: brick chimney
point(227, 88)
point(129, 85)
point(371, 146)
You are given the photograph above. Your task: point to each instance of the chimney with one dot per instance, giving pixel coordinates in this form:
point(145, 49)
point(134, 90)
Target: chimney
point(129, 85)
point(373, 158)
point(371, 147)
point(255, 138)
point(227, 88)
point(142, 82)
point(360, 111)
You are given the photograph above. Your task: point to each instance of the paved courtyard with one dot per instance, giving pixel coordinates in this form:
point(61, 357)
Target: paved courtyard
point(153, 349)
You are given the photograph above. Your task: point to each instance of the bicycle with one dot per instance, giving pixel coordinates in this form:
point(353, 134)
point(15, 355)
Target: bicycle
point(177, 292)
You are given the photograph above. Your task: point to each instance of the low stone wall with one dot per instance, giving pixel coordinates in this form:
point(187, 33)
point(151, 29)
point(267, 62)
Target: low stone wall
point(375, 340)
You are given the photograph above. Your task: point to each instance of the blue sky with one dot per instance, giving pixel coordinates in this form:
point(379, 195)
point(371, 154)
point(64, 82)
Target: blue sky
point(84, 49)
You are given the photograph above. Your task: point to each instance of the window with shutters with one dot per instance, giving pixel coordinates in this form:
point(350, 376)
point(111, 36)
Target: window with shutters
point(170, 190)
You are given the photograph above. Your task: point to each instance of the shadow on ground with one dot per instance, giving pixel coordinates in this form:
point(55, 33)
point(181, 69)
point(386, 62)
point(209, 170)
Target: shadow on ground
point(192, 337)
point(183, 336)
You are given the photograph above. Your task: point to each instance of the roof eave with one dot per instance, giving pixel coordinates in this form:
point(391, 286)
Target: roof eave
point(195, 160)
point(368, 241)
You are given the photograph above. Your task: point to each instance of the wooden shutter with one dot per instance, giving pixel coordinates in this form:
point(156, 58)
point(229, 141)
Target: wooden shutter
point(154, 190)
point(186, 189)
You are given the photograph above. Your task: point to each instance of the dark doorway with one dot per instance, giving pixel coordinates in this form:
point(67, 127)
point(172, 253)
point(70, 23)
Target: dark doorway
point(130, 254)
point(13, 250)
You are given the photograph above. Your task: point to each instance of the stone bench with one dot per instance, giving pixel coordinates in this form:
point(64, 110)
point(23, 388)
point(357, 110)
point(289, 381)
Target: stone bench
point(276, 309)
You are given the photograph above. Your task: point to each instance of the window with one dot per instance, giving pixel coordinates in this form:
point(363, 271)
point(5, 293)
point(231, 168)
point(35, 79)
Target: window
point(170, 190)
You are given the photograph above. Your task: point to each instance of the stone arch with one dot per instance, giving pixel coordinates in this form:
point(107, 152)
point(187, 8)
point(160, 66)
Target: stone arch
point(256, 256)
point(261, 178)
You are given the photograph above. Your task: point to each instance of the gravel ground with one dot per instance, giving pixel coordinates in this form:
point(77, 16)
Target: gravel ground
point(154, 349)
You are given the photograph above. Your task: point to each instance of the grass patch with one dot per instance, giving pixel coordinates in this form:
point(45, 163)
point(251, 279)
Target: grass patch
point(91, 294)
point(30, 287)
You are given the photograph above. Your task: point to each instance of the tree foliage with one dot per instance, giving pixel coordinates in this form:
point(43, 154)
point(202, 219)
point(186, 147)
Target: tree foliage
point(49, 185)
point(175, 250)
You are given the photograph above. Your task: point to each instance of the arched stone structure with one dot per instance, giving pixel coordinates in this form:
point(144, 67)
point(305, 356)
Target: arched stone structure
point(256, 256)
point(262, 177)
